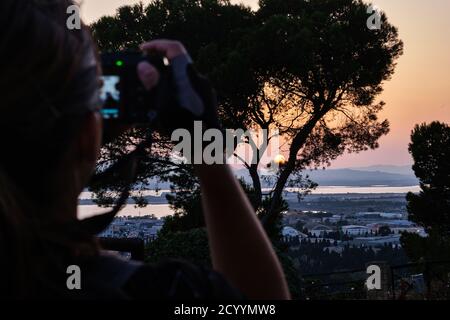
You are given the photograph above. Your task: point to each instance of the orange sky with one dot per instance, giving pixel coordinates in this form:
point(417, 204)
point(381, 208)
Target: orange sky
point(418, 92)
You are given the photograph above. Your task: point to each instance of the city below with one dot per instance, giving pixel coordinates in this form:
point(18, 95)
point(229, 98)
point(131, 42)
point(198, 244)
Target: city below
point(366, 219)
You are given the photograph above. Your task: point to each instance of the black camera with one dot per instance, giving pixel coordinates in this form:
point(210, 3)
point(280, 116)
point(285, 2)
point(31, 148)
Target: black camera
point(124, 98)
point(180, 97)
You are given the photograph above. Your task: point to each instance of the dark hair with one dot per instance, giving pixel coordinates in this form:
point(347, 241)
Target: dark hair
point(44, 85)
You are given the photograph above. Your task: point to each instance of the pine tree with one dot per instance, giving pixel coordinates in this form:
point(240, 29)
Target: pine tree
point(430, 148)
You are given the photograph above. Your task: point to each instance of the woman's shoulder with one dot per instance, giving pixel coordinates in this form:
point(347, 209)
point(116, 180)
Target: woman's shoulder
point(175, 279)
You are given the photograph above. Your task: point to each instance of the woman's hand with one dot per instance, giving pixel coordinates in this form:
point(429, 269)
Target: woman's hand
point(192, 98)
point(170, 49)
point(149, 77)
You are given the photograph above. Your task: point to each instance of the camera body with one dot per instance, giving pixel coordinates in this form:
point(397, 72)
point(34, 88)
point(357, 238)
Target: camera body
point(124, 98)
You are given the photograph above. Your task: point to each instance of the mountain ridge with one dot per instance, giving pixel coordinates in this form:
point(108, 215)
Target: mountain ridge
point(352, 177)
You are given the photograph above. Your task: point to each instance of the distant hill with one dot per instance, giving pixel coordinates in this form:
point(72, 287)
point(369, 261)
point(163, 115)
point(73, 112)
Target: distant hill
point(392, 176)
point(405, 170)
point(353, 177)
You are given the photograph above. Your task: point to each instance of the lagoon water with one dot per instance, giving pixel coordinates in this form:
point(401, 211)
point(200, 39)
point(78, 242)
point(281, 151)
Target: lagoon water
point(361, 190)
point(162, 210)
point(158, 210)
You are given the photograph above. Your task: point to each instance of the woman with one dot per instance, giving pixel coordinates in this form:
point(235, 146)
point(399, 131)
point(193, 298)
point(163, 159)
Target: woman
point(51, 131)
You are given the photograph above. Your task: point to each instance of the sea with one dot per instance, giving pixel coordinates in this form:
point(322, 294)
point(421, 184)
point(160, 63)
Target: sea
point(161, 210)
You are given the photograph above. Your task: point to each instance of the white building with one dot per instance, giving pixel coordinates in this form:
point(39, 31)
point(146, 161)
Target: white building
point(397, 226)
point(319, 230)
point(293, 233)
point(355, 230)
point(377, 241)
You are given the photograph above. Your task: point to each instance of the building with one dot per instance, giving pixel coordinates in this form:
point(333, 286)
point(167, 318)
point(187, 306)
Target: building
point(335, 218)
point(143, 228)
point(353, 230)
point(290, 232)
point(419, 230)
point(318, 230)
point(292, 218)
point(377, 241)
point(397, 226)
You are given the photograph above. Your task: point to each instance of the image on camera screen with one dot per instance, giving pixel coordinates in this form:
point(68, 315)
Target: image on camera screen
point(110, 96)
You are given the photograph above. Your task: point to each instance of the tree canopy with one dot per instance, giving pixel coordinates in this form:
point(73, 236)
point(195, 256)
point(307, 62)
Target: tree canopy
point(430, 149)
point(311, 69)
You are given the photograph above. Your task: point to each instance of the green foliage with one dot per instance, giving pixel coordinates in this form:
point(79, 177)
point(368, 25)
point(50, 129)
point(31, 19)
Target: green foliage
point(432, 248)
point(185, 220)
point(430, 149)
point(329, 66)
point(186, 201)
point(198, 24)
point(273, 224)
point(191, 245)
point(314, 258)
point(290, 271)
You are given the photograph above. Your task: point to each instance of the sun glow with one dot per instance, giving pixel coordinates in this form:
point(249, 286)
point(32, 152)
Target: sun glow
point(279, 159)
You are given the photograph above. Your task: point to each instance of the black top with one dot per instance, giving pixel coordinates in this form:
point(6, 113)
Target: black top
point(176, 280)
point(108, 277)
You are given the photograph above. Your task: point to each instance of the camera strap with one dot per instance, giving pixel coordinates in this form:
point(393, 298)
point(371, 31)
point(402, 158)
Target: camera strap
point(127, 167)
point(187, 97)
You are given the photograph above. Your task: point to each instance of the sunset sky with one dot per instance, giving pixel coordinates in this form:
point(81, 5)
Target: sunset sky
point(418, 92)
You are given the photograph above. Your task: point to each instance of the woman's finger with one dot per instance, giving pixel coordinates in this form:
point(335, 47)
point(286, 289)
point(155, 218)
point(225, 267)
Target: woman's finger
point(148, 75)
point(168, 48)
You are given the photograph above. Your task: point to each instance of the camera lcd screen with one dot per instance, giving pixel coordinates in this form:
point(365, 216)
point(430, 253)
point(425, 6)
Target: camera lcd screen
point(110, 96)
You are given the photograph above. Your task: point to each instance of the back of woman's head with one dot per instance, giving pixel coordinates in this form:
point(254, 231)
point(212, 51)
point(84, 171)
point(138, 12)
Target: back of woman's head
point(48, 81)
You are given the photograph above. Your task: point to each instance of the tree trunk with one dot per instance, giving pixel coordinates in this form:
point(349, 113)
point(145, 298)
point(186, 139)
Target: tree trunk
point(253, 170)
point(297, 144)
